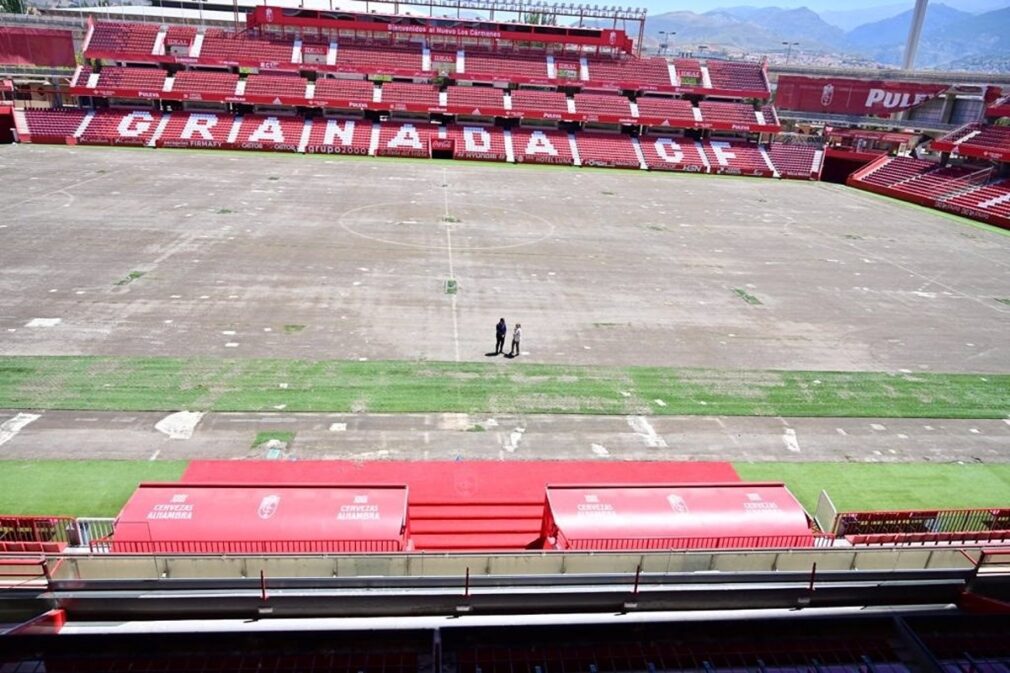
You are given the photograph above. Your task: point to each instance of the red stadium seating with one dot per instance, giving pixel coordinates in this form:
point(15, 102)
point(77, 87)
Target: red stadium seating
point(121, 127)
point(222, 46)
point(356, 92)
point(736, 158)
point(977, 140)
point(403, 95)
point(957, 189)
point(607, 149)
point(605, 105)
point(147, 79)
point(478, 99)
point(795, 161)
point(128, 41)
point(339, 136)
point(52, 126)
point(672, 112)
point(639, 73)
point(484, 66)
point(673, 153)
point(477, 142)
point(259, 132)
point(378, 60)
point(737, 76)
point(196, 129)
point(406, 139)
point(731, 113)
point(897, 170)
point(541, 146)
point(195, 84)
point(993, 199)
point(271, 86)
point(550, 103)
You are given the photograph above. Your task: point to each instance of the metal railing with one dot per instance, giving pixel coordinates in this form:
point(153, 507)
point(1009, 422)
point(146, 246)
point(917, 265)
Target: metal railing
point(981, 520)
point(113, 546)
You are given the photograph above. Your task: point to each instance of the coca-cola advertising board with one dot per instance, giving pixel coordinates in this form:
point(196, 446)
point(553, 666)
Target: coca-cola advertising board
point(852, 96)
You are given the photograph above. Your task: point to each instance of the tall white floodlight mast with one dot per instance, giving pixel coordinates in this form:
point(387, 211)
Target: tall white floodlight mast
point(912, 46)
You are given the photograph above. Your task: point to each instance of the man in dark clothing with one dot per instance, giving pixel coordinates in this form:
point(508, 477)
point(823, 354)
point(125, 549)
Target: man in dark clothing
point(499, 341)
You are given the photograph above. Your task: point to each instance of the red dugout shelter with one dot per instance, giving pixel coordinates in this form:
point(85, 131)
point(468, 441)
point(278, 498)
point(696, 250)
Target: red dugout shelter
point(257, 518)
point(711, 516)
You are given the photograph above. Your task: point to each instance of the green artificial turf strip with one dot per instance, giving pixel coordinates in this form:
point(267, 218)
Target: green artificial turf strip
point(888, 486)
point(77, 487)
point(204, 384)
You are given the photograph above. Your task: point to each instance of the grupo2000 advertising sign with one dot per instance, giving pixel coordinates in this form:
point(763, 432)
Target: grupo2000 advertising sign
point(852, 96)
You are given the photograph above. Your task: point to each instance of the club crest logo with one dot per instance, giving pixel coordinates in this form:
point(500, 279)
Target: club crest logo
point(268, 506)
point(677, 503)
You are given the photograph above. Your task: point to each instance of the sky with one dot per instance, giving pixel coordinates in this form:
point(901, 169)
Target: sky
point(662, 6)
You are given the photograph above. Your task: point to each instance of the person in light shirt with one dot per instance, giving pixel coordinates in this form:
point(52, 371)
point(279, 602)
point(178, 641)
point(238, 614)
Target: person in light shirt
point(516, 335)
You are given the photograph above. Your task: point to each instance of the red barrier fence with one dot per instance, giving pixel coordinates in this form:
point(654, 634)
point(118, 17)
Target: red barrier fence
point(107, 545)
point(36, 46)
point(35, 533)
point(991, 523)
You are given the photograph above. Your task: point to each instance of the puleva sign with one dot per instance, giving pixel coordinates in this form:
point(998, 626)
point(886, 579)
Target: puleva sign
point(852, 96)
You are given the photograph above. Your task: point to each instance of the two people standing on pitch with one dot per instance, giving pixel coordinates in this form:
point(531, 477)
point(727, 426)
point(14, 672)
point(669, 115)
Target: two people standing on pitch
point(499, 342)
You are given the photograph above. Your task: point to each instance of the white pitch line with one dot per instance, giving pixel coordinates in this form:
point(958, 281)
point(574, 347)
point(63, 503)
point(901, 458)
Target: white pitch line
point(646, 432)
point(154, 456)
point(12, 426)
point(452, 272)
point(789, 437)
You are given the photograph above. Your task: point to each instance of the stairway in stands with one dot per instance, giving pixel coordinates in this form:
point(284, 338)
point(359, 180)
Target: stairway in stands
point(437, 526)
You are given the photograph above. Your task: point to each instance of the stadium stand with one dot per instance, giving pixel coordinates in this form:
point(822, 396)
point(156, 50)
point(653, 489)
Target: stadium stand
point(551, 104)
point(339, 136)
point(403, 96)
point(737, 158)
point(226, 47)
point(490, 67)
point(476, 98)
point(977, 140)
point(378, 60)
point(344, 92)
point(200, 84)
point(607, 149)
point(541, 146)
point(281, 134)
point(602, 105)
point(647, 73)
point(147, 79)
point(52, 126)
point(737, 76)
point(275, 86)
point(196, 129)
point(117, 127)
point(731, 113)
point(484, 143)
point(674, 153)
point(407, 139)
point(993, 198)
point(663, 111)
point(896, 170)
point(123, 40)
point(795, 161)
point(965, 190)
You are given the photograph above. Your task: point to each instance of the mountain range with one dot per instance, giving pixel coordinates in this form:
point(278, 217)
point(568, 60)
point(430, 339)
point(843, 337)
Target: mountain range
point(950, 37)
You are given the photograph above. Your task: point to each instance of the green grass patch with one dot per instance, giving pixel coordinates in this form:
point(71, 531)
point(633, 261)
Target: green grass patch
point(293, 329)
point(77, 487)
point(871, 486)
point(130, 277)
point(224, 211)
point(211, 384)
point(451, 286)
point(1003, 300)
point(449, 219)
point(285, 436)
point(746, 296)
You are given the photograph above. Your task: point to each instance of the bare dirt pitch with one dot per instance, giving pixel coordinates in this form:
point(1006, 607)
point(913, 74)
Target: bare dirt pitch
point(143, 252)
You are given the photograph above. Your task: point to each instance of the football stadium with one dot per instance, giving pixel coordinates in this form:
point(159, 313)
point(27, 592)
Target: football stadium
point(334, 340)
